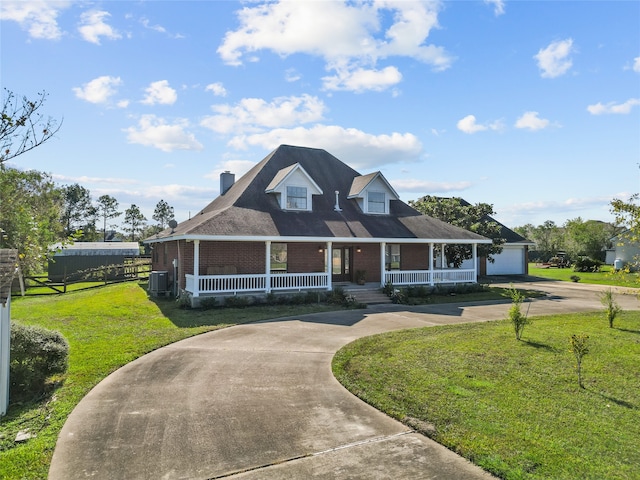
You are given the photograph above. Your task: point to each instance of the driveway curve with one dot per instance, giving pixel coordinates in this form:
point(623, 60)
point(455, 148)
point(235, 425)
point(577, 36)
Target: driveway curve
point(259, 401)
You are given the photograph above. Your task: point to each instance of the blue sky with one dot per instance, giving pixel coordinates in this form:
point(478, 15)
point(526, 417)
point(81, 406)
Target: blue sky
point(531, 106)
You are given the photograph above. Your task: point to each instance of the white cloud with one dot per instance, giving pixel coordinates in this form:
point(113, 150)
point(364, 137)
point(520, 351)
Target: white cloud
point(39, 18)
point(350, 46)
point(636, 64)
point(160, 92)
point(360, 79)
point(355, 147)
point(554, 59)
point(217, 89)
point(498, 6)
point(252, 114)
point(531, 121)
point(292, 75)
point(146, 23)
point(154, 132)
point(611, 107)
point(174, 192)
point(99, 90)
point(468, 125)
point(414, 185)
point(237, 167)
point(93, 26)
point(84, 180)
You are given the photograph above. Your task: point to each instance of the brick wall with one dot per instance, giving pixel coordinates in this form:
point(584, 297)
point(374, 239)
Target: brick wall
point(249, 257)
point(304, 258)
point(244, 257)
point(414, 257)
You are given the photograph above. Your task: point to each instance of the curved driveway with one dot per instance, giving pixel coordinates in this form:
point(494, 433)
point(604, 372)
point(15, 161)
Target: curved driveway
point(259, 401)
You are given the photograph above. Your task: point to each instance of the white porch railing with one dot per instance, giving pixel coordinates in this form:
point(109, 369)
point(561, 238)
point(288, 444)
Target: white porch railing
point(208, 284)
point(429, 277)
point(212, 284)
point(299, 281)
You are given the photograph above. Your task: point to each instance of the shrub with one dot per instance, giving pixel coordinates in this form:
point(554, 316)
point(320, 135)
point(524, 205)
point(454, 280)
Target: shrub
point(207, 303)
point(388, 289)
point(575, 278)
point(611, 308)
point(516, 317)
point(337, 296)
point(36, 355)
point(184, 300)
point(399, 295)
point(238, 301)
point(586, 264)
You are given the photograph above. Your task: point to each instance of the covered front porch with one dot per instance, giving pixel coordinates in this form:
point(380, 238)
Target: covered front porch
point(303, 264)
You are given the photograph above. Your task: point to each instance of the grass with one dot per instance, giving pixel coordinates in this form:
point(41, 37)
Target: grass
point(106, 328)
point(513, 407)
point(607, 276)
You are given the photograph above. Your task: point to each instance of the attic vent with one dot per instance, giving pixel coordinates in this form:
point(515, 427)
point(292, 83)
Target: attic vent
point(227, 179)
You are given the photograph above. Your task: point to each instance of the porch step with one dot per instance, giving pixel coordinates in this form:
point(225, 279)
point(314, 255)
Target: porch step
point(368, 296)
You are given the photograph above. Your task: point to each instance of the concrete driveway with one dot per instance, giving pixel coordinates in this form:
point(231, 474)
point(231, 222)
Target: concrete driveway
point(259, 401)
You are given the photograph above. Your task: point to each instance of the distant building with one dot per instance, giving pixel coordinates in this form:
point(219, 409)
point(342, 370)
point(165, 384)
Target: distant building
point(73, 261)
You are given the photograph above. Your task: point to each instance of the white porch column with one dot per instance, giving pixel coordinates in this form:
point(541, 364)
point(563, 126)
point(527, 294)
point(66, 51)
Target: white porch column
point(383, 248)
point(442, 256)
point(196, 268)
point(267, 266)
point(474, 256)
point(431, 262)
point(329, 252)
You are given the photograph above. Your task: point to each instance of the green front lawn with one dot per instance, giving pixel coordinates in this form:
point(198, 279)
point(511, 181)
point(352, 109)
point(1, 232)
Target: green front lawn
point(512, 407)
point(106, 328)
point(605, 277)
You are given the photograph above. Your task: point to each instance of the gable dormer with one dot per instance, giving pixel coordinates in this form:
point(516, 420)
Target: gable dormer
point(294, 188)
point(372, 193)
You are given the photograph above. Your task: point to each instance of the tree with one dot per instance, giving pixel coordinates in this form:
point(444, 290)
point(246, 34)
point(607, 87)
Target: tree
point(134, 221)
point(23, 127)
point(107, 209)
point(163, 214)
point(588, 238)
point(29, 216)
point(549, 239)
point(78, 212)
point(475, 218)
point(627, 219)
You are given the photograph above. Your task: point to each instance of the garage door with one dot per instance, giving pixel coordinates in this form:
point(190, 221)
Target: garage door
point(509, 262)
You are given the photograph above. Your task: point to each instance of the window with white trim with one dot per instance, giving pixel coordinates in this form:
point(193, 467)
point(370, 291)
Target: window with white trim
point(376, 202)
point(296, 198)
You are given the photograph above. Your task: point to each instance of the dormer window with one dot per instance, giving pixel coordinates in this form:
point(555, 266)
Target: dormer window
point(296, 198)
point(372, 193)
point(376, 202)
point(294, 188)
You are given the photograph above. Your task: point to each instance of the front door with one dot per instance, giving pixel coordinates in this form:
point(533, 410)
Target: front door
point(341, 264)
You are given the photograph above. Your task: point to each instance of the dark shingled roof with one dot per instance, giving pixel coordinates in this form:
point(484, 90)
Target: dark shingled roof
point(246, 210)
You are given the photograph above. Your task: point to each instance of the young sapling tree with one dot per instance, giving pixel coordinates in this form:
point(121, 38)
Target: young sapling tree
point(518, 319)
point(611, 307)
point(579, 346)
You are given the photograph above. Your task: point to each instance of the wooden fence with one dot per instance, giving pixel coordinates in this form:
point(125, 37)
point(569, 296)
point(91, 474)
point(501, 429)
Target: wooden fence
point(133, 269)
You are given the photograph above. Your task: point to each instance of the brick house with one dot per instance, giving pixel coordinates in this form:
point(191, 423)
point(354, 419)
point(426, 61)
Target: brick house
point(300, 220)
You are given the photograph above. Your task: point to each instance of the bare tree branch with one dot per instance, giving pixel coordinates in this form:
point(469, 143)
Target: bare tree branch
point(23, 127)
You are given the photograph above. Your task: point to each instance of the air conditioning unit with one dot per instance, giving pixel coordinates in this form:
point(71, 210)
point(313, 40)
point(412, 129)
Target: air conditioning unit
point(158, 282)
